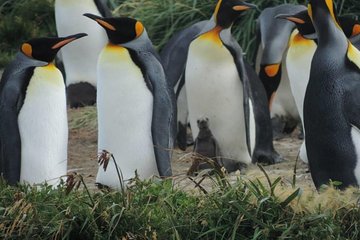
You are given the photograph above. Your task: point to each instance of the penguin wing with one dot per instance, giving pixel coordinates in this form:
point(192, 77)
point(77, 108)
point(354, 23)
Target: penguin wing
point(12, 93)
point(174, 54)
point(103, 8)
point(164, 111)
point(237, 53)
point(263, 148)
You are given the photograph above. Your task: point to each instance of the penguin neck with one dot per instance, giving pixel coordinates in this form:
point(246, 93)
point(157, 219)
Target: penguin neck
point(212, 25)
point(141, 44)
point(327, 29)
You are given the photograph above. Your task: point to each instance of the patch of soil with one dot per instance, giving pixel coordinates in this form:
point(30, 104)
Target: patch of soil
point(83, 157)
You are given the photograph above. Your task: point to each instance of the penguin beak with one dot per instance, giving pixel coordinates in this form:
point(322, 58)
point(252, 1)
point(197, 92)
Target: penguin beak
point(243, 6)
point(292, 18)
point(100, 21)
point(65, 40)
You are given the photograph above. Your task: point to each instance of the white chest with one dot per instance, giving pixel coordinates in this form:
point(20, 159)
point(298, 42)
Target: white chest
point(298, 64)
point(214, 90)
point(355, 134)
point(125, 106)
point(43, 127)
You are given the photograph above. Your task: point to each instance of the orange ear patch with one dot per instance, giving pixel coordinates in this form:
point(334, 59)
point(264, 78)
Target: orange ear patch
point(356, 30)
point(27, 49)
point(240, 8)
point(272, 70)
point(106, 24)
point(139, 28)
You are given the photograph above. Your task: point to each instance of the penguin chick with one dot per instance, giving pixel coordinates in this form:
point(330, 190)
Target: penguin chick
point(206, 149)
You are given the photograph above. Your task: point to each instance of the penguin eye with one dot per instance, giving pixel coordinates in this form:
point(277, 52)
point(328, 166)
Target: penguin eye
point(198, 121)
point(139, 28)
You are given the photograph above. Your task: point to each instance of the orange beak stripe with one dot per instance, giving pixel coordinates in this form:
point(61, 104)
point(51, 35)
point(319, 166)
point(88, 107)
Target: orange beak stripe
point(272, 70)
point(296, 20)
point(240, 8)
point(106, 24)
point(62, 43)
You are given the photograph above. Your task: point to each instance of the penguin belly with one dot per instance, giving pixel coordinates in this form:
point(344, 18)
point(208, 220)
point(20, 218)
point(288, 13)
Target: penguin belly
point(355, 135)
point(43, 128)
point(80, 57)
point(125, 107)
point(298, 64)
point(214, 90)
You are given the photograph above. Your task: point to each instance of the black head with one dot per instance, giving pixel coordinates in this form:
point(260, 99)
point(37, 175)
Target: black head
point(350, 26)
point(203, 123)
point(302, 21)
point(227, 11)
point(45, 49)
point(319, 9)
point(119, 29)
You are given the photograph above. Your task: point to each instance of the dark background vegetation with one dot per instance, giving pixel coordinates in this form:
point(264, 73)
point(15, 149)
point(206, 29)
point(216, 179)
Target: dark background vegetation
point(21, 20)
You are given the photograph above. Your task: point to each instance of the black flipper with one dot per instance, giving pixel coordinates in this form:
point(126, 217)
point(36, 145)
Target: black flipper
point(237, 53)
point(103, 8)
point(264, 151)
point(13, 87)
point(164, 109)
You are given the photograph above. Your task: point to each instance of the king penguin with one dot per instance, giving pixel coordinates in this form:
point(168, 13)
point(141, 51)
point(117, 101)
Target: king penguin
point(33, 118)
point(220, 85)
point(80, 73)
point(273, 37)
point(136, 106)
point(302, 46)
point(173, 58)
point(331, 106)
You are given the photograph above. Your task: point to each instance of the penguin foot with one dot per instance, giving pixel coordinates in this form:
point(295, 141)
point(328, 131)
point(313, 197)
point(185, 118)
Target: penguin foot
point(268, 158)
point(233, 166)
point(81, 94)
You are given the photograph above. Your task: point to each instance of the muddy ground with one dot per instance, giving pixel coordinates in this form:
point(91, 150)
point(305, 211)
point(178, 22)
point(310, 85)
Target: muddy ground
point(83, 155)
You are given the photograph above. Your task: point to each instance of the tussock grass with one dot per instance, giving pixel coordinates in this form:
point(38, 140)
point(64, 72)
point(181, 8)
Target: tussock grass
point(83, 117)
point(21, 20)
point(155, 209)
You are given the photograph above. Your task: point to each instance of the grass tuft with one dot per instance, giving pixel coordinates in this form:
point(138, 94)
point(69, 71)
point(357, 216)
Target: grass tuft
point(155, 209)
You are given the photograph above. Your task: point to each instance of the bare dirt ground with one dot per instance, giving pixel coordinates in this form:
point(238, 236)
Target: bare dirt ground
point(83, 155)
